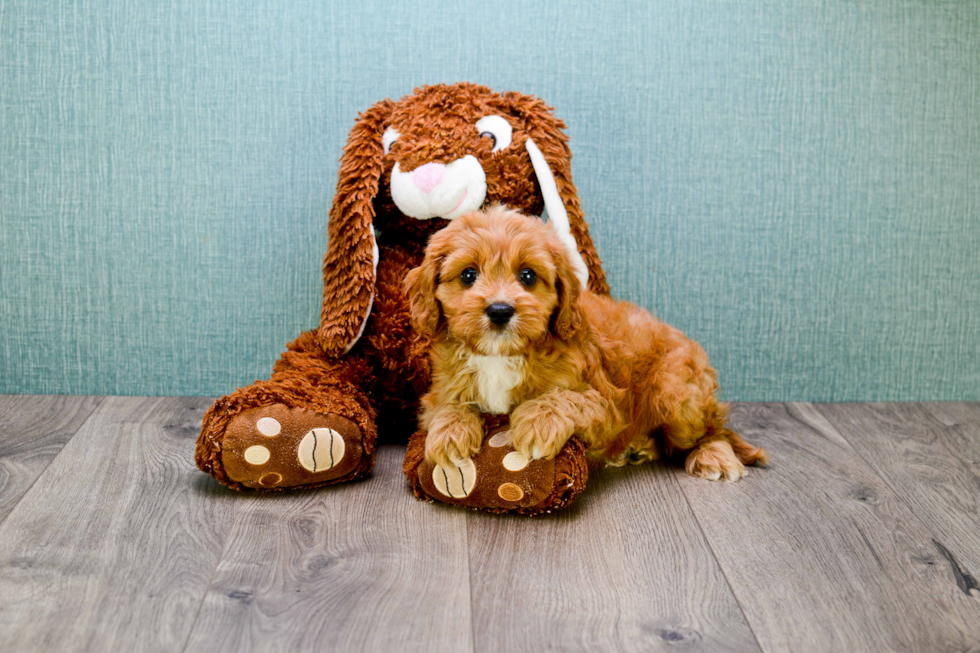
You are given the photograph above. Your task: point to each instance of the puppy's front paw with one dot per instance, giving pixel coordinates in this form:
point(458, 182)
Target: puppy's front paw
point(448, 445)
point(539, 432)
point(714, 461)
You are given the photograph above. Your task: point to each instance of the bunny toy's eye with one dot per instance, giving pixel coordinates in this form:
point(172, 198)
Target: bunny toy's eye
point(468, 276)
point(497, 129)
point(390, 136)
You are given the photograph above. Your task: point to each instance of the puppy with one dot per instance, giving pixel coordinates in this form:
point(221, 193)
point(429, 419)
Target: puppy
point(514, 332)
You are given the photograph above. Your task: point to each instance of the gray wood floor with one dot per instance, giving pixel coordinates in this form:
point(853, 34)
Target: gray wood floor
point(862, 535)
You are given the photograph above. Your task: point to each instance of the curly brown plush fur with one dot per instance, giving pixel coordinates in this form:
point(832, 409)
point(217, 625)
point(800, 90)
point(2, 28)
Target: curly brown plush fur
point(347, 382)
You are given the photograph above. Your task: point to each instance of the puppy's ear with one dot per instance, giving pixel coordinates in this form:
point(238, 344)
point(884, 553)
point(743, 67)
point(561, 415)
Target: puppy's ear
point(420, 288)
point(349, 267)
point(567, 317)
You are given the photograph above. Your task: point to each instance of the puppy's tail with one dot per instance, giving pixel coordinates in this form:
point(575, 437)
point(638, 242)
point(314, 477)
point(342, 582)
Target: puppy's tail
point(745, 452)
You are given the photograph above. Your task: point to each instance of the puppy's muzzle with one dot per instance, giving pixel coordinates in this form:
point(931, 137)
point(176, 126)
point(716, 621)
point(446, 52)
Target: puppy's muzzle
point(500, 313)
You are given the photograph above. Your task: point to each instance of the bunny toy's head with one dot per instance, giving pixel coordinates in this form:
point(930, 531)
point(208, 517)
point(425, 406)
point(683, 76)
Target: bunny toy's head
point(443, 151)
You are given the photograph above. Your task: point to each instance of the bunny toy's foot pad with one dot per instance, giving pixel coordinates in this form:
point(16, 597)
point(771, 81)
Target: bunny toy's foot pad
point(276, 447)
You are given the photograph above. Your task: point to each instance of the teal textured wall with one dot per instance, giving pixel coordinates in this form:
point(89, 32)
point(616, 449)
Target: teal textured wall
point(795, 184)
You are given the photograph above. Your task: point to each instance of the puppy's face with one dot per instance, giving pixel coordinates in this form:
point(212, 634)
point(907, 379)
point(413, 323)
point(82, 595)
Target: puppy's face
point(497, 294)
point(495, 281)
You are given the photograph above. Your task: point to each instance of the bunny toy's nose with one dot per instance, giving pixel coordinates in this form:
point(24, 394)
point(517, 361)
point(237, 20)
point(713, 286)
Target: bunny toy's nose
point(428, 176)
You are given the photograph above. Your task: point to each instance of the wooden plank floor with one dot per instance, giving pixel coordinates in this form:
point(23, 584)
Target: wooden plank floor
point(862, 535)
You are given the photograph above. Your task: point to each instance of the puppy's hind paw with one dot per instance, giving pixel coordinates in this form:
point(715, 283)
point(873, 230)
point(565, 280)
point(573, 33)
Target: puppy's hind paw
point(715, 461)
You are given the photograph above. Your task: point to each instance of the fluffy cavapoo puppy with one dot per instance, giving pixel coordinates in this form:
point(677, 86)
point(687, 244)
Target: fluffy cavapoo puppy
point(514, 332)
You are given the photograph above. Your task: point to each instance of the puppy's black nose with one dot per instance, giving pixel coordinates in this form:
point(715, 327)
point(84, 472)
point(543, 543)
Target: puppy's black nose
point(500, 313)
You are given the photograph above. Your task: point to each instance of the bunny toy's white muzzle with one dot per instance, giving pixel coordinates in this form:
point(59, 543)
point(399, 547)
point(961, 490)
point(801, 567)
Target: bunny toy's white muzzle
point(437, 190)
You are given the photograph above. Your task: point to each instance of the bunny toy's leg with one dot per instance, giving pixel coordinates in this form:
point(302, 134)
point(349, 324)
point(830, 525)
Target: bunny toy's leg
point(311, 424)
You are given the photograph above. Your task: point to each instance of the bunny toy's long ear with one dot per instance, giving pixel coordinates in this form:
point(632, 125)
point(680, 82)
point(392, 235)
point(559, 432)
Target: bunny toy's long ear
point(350, 266)
point(547, 145)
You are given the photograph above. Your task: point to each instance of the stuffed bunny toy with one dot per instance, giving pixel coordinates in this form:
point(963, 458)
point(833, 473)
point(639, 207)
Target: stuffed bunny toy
point(408, 168)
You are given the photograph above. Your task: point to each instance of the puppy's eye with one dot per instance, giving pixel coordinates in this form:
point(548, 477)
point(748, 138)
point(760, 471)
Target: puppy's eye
point(468, 276)
point(496, 128)
point(527, 277)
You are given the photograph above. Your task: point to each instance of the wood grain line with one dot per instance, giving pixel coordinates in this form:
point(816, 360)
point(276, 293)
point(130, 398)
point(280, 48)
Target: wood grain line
point(112, 547)
point(625, 569)
point(860, 536)
point(355, 567)
point(819, 550)
point(929, 454)
point(33, 429)
point(707, 543)
point(965, 581)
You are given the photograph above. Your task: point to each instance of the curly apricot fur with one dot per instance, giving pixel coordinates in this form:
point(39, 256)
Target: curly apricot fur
point(631, 386)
